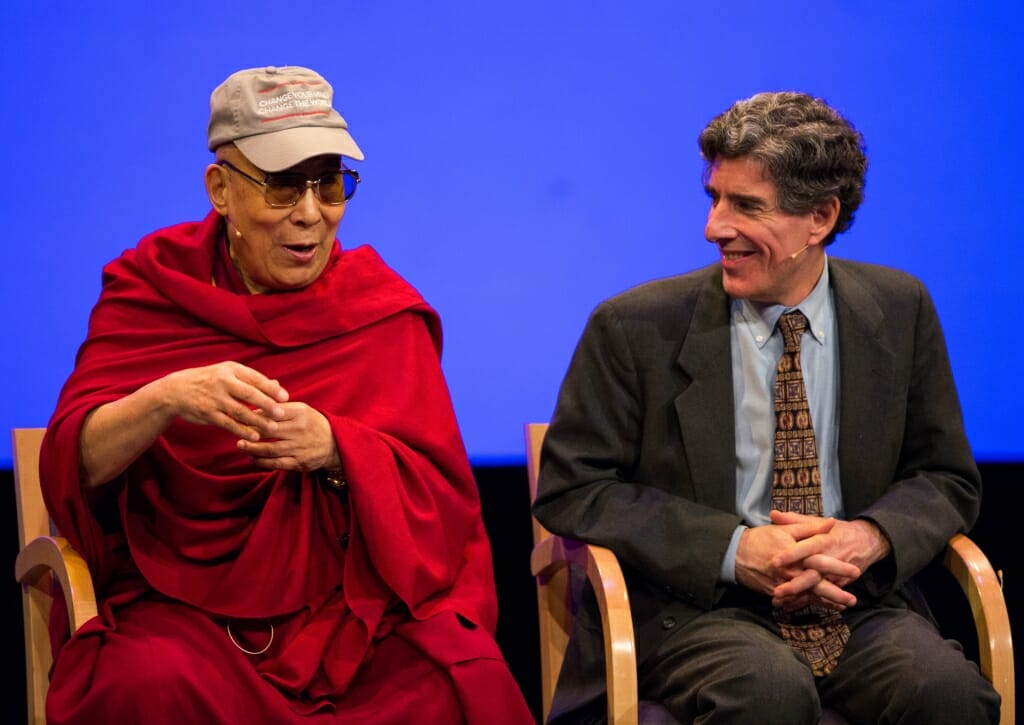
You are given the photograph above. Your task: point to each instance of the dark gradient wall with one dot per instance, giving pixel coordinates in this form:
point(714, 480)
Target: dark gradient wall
point(504, 496)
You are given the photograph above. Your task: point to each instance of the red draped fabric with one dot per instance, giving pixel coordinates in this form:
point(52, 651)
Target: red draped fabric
point(376, 593)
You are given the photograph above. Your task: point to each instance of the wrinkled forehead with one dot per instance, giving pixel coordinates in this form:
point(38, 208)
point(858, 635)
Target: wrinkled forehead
point(751, 160)
point(748, 169)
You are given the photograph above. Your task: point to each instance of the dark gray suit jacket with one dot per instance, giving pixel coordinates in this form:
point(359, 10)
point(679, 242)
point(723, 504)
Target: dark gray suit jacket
point(640, 456)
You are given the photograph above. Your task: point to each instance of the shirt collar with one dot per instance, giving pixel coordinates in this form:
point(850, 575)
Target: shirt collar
point(760, 320)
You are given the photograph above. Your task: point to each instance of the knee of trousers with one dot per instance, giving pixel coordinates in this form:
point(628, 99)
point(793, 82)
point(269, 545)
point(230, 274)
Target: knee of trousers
point(950, 694)
point(767, 688)
point(784, 685)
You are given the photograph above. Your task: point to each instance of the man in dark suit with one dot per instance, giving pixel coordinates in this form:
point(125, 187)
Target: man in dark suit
point(664, 448)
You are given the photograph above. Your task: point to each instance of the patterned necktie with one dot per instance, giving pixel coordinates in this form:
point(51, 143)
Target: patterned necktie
point(818, 632)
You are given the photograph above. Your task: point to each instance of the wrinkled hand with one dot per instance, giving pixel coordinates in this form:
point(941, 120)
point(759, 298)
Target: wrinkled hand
point(858, 543)
point(229, 395)
point(765, 564)
point(302, 441)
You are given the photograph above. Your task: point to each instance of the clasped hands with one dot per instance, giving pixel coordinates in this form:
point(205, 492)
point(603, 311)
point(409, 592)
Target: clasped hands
point(800, 560)
point(276, 432)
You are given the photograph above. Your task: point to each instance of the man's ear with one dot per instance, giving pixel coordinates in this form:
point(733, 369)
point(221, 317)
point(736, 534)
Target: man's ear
point(217, 187)
point(823, 219)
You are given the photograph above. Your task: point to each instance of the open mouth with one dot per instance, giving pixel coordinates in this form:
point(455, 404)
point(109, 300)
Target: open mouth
point(302, 252)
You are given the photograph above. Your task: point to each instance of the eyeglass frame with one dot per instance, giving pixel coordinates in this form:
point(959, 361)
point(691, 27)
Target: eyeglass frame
point(310, 183)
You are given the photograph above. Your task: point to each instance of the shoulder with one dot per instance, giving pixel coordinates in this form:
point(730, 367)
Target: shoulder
point(368, 289)
point(186, 249)
point(362, 273)
point(654, 318)
point(667, 296)
point(874, 276)
point(882, 301)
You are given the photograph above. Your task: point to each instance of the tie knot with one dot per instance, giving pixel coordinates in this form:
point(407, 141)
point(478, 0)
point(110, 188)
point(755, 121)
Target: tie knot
point(792, 325)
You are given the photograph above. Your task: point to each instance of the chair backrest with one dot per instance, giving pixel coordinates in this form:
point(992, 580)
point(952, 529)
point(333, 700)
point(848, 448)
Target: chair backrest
point(46, 566)
point(550, 563)
point(37, 596)
point(554, 622)
point(33, 520)
point(967, 563)
point(534, 440)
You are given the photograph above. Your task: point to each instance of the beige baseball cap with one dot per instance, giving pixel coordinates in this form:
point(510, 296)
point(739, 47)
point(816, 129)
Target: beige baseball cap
point(278, 117)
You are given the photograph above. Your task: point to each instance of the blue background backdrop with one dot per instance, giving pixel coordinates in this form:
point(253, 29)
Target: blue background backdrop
point(524, 161)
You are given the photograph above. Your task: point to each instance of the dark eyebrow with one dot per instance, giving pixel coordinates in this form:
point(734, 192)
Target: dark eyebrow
point(749, 200)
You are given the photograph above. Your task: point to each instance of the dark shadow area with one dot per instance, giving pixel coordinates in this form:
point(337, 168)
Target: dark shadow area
point(506, 511)
point(12, 636)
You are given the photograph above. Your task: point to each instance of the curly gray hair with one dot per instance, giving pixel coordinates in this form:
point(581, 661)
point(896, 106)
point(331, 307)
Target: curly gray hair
point(809, 150)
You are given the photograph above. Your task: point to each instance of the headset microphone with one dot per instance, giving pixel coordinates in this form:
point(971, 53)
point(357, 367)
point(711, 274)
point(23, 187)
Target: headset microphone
point(798, 252)
point(238, 232)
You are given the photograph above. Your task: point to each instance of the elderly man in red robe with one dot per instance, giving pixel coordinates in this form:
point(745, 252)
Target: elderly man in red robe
point(257, 455)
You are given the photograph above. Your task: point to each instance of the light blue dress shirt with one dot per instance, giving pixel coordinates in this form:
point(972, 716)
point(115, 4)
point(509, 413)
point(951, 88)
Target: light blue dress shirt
point(756, 349)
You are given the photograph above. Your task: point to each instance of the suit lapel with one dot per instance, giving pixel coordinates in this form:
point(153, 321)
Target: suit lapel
point(705, 406)
point(866, 369)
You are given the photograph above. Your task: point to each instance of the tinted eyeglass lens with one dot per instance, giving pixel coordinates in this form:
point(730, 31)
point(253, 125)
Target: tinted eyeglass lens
point(350, 181)
point(286, 189)
point(331, 188)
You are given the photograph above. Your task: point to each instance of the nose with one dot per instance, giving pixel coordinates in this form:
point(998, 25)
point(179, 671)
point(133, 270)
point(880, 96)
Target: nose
point(307, 209)
point(719, 227)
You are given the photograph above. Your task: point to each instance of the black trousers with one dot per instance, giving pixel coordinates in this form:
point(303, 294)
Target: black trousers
point(731, 666)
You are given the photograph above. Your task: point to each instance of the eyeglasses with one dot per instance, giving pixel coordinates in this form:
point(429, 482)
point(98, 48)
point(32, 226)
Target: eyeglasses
point(286, 189)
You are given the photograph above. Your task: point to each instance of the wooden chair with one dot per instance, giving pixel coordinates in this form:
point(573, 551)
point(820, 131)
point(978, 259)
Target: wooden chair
point(43, 555)
point(553, 554)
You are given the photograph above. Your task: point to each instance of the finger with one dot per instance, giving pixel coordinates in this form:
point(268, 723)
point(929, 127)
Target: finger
point(832, 568)
point(833, 595)
point(278, 463)
point(272, 389)
point(234, 427)
point(248, 388)
point(838, 599)
point(251, 419)
point(787, 573)
point(788, 518)
point(256, 401)
point(805, 531)
point(798, 552)
point(805, 581)
point(292, 412)
point(260, 449)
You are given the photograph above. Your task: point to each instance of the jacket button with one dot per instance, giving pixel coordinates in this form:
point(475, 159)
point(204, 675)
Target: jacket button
point(668, 622)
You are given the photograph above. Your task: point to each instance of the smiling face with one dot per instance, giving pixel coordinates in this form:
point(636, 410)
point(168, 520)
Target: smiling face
point(768, 255)
point(278, 249)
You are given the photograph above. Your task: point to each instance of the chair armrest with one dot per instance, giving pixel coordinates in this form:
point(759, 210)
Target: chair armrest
point(54, 554)
point(984, 590)
point(605, 576)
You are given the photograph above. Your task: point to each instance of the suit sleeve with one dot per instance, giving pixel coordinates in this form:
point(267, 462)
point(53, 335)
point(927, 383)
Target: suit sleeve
point(590, 487)
point(936, 487)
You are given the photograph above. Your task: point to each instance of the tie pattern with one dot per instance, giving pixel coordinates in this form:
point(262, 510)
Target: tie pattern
point(818, 632)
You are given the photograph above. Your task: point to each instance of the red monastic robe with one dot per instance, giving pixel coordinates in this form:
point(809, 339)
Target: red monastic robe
point(381, 595)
